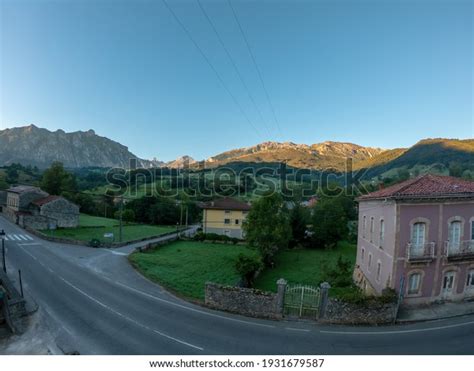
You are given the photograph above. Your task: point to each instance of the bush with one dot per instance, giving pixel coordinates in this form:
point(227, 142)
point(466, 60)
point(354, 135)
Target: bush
point(215, 237)
point(341, 274)
point(247, 266)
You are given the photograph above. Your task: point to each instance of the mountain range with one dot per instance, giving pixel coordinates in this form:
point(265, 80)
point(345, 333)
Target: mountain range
point(31, 145)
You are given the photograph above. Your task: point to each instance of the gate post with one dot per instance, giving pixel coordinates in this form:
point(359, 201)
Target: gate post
point(323, 303)
point(281, 283)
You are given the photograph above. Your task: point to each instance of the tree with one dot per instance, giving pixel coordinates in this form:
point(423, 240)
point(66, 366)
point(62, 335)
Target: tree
point(298, 221)
point(56, 180)
point(267, 226)
point(329, 223)
point(128, 215)
point(247, 266)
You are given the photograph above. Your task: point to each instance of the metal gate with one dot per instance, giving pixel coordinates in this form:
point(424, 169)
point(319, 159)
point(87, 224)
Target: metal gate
point(302, 301)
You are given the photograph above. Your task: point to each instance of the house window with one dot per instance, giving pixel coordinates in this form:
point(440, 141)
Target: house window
point(472, 230)
point(414, 281)
point(236, 221)
point(418, 233)
point(372, 229)
point(455, 235)
point(379, 270)
point(364, 226)
point(227, 211)
point(370, 261)
point(226, 221)
point(470, 280)
point(362, 254)
point(382, 232)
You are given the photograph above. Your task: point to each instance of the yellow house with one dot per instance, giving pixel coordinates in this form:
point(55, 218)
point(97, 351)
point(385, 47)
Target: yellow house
point(224, 216)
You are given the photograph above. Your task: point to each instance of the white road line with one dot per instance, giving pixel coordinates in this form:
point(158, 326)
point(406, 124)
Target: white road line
point(6, 238)
point(30, 244)
point(113, 310)
point(398, 331)
point(29, 237)
point(16, 237)
point(297, 329)
point(23, 237)
point(189, 308)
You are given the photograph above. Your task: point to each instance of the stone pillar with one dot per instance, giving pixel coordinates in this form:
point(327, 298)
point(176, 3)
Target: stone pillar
point(281, 283)
point(323, 302)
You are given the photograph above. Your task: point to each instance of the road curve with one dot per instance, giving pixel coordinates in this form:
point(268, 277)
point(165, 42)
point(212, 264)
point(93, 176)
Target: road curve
point(92, 301)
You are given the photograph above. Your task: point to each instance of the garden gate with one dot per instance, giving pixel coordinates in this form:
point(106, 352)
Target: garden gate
point(302, 301)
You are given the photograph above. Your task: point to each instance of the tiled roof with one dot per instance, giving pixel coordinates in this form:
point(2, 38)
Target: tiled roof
point(425, 186)
point(24, 188)
point(45, 200)
point(226, 203)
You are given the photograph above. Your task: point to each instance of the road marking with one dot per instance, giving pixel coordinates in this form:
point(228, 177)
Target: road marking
point(29, 237)
point(6, 238)
point(189, 308)
point(16, 237)
point(23, 237)
point(29, 244)
point(117, 253)
point(113, 310)
point(297, 329)
point(398, 331)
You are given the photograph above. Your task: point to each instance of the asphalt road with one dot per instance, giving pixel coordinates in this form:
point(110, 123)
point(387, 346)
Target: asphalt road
point(92, 301)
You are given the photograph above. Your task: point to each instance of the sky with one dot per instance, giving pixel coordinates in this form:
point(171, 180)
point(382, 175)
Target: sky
point(154, 76)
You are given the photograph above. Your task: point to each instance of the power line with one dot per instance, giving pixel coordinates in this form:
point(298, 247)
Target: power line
point(255, 64)
point(186, 31)
point(233, 64)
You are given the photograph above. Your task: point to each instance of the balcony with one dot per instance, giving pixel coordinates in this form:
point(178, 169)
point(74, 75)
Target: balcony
point(463, 250)
point(420, 253)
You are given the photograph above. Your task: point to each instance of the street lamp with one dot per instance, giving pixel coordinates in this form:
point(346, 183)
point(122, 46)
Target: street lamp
point(2, 236)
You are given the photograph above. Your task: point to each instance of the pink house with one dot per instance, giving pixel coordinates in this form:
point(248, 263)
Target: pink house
point(418, 236)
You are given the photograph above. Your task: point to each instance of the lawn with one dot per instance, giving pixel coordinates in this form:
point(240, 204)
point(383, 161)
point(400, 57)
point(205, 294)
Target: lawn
point(185, 266)
point(307, 266)
point(94, 227)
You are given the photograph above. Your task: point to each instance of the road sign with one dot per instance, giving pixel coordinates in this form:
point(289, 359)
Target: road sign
point(108, 235)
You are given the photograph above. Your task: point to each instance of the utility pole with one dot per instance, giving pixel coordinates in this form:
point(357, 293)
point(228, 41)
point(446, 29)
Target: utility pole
point(2, 235)
point(120, 228)
point(181, 214)
point(186, 216)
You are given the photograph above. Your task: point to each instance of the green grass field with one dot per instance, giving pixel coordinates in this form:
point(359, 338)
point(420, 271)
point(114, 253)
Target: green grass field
point(185, 266)
point(94, 227)
point(304, 266)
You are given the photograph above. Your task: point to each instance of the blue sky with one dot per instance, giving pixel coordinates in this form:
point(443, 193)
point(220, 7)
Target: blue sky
point(378, 73)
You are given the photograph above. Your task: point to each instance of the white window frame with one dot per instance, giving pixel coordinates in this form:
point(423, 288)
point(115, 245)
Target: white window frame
point(470, 280)
point(382, 233)
point(372, 227)
point(416, 290)
point(379, 271)
point(369, 262)
point(362, 255)
point(364, 226)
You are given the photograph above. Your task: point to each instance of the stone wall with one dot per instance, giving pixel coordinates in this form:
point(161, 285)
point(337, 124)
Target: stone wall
point(36, 222)
point(372, 313)
point(64, 212)
point(9, 214)
point(248, 302)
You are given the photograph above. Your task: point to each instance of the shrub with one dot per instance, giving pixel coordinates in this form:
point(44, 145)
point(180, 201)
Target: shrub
point(247, 266)
point(341, 274)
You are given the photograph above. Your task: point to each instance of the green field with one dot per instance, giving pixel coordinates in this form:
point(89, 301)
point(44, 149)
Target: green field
point(185, 266)
point(307, 266)
point(94, 227)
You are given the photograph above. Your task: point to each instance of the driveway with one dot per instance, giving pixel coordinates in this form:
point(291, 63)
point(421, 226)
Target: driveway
point(93, 302)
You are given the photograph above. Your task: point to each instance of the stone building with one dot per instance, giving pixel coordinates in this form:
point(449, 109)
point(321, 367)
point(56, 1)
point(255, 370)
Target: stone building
point(31, 207)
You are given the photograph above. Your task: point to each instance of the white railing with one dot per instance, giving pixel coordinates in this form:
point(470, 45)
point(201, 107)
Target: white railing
point(459, 249)
point(423, 251)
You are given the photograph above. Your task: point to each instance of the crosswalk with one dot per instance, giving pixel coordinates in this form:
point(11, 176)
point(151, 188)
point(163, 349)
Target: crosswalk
point(18, 237)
